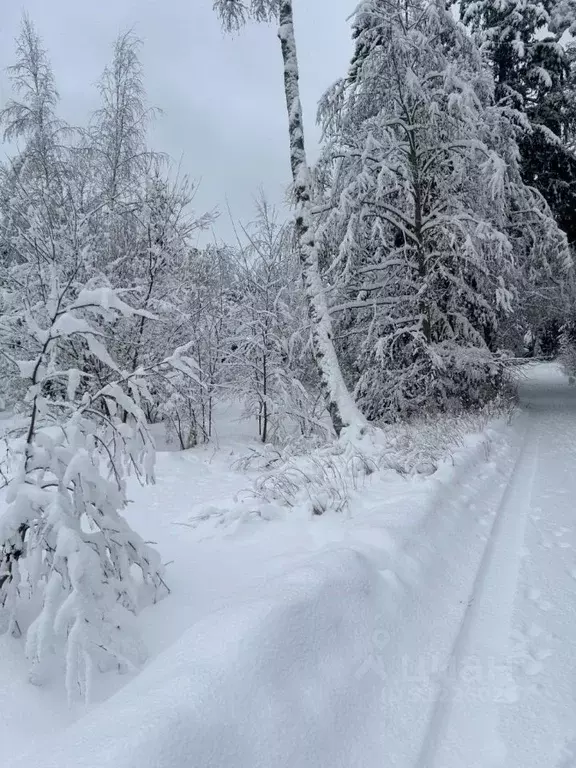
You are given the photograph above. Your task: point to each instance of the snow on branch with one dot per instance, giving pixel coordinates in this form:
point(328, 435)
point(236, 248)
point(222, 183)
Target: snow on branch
point(64, 546)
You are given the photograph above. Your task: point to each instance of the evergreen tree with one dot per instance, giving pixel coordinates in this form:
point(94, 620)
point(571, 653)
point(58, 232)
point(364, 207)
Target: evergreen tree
point(534, 73)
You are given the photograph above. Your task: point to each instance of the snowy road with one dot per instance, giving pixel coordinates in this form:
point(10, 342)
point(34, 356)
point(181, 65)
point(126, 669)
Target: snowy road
point(540, 727)
point(501, 683)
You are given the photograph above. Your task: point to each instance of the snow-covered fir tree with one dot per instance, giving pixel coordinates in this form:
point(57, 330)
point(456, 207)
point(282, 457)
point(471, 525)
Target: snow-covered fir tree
point(431, 231)
point(521, 40)
point(527, 48)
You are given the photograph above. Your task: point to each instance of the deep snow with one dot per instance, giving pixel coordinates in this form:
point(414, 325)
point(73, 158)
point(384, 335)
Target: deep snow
point(434, 626)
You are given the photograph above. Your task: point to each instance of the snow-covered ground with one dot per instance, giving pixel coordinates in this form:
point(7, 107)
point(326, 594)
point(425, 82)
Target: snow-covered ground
point(431, 625)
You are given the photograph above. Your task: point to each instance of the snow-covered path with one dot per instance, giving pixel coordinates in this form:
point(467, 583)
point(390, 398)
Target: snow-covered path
point(506, 692)
point(539, 728)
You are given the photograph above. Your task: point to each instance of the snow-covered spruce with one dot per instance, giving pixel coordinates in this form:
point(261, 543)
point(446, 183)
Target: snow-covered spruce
point(520, 39)
point(433, 231)
point(529, 48)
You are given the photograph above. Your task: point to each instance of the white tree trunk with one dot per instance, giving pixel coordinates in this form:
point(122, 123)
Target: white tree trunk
point(341, 406)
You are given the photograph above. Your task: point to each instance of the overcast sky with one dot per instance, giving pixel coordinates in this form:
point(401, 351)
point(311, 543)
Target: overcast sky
point(222, 98)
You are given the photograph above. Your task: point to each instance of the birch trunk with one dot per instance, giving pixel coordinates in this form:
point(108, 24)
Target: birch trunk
point(341, 406)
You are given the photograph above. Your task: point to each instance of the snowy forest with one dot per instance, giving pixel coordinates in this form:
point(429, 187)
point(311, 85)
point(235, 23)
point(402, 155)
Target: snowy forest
point(422, 256)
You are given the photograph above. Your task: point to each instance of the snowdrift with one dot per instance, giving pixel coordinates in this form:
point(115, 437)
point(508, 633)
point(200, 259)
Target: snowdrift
point(279, 681)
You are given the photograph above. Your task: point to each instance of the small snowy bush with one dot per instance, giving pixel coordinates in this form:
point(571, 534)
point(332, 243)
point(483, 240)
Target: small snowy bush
point(320, 480)
point(72, 572)
point(324, 479)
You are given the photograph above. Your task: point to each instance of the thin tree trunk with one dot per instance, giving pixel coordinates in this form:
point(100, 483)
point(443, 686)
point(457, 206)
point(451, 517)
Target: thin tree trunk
point(264, 398)
point(341, 406)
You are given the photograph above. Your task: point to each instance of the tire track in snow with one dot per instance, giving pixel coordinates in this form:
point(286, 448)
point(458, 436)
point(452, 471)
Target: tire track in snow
point(454, 733)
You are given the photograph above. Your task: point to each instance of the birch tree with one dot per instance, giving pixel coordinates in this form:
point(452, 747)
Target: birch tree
point(234, 13)
point(66, 552)
point(203, 292)
point(118, 132)
point(145, 222)
point(29, 120)
point(267, 357)
point(30, 116)
point(72, 571)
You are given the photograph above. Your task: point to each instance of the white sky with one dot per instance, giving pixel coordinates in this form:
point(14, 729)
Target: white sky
point(222, 97)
